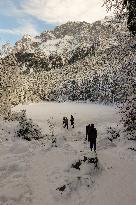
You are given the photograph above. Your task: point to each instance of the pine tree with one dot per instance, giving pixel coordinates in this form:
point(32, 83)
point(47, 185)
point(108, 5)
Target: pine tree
point(10, 79)
point(128, 110)
point(127, 8)
point(124, 8)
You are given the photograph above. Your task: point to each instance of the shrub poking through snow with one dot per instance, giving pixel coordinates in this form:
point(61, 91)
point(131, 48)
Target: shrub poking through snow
point(27, 129)
point(17, 116)
point(112, 133)
point(62, 188)
point(83, 178)
point(91, 159)
point(76, 165)
point(51, 126)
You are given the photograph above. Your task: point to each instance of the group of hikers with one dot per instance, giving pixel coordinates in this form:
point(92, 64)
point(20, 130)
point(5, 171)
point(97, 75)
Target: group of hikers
point(65, 122)
point(91, 132)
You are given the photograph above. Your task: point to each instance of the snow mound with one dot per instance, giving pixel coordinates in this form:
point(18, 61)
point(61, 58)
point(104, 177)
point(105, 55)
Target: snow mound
point(27, 129)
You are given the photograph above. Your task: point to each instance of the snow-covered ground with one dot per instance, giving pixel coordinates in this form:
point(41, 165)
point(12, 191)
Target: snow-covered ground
point(41, 173)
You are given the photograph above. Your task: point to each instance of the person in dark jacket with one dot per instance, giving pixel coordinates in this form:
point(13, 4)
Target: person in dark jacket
point(92, 135)
point(87, 128)
point(65, 122)
point(72, 121)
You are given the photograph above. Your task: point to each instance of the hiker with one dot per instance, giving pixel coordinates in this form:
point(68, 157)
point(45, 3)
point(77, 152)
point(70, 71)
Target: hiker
point(87, 128)
point(72, 121)
point(65, 122)
point(92, 135)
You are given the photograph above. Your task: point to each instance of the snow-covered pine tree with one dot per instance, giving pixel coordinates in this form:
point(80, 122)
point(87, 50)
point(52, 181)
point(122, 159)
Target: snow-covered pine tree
point(127, 9)
point(10, 79)
point(128, 110)
point(124, 8)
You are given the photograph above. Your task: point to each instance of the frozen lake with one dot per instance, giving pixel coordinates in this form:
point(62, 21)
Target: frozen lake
point(51, 113)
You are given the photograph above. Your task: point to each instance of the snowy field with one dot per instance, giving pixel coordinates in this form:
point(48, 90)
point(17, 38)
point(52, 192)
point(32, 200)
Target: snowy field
point(41, 172)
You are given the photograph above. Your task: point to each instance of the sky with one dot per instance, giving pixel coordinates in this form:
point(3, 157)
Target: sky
point(20, 17)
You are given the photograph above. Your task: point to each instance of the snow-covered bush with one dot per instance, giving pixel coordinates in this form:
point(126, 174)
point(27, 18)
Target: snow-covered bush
point(17, 115)
point(27, 129)
point(113, 133)
point(51, 125)
point(128, 111)
point(80, 175)
point(129, 115)
point(9, 83)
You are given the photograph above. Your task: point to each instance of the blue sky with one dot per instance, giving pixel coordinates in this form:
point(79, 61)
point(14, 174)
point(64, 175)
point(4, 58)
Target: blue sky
point(19, 17)
point(14, 22)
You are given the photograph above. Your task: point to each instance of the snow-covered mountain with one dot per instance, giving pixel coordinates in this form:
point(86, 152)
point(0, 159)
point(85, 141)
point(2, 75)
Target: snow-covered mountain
point(73, 34)
point(77, 61)
point(6, 49)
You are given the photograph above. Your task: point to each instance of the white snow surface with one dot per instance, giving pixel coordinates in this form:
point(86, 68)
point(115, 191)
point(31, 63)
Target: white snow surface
point(31, 172)
point(57, 46)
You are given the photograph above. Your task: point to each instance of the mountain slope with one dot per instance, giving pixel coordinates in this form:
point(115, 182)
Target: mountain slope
point(77, 61)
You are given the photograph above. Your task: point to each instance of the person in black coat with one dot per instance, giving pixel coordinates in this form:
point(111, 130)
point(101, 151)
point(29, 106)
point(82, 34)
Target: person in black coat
point(92, 135)
point(72, 121)
point(87, 129)
point(65, 122)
